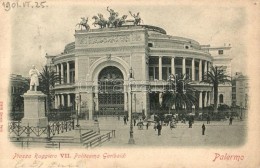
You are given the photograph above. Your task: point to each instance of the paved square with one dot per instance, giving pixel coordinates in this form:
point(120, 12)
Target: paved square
point(218, 133)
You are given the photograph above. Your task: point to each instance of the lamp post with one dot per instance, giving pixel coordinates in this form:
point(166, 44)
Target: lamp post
point(78, 109)
point(95, 105)
point(131, 139)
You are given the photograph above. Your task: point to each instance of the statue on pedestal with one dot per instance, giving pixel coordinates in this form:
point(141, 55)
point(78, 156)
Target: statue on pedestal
point(34, 73)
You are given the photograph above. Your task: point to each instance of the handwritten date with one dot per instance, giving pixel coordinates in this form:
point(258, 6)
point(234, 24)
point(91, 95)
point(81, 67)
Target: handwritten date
point(26, 4)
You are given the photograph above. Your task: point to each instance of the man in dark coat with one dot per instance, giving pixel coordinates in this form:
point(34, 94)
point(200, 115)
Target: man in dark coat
point(230, 120)
point(125, 120)
point(159, 128)
point(134, 122)
point(190, 123)
point(208, 119)
point(203, 129)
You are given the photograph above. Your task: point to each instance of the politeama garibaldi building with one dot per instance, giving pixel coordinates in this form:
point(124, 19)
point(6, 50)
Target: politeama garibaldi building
point(102, 66)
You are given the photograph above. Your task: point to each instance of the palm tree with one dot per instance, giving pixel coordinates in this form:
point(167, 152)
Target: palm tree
point(48, 78)
point(181, 93)
point(216, 76)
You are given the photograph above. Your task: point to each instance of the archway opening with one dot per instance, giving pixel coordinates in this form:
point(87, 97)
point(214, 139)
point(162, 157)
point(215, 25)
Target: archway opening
point(111, 91)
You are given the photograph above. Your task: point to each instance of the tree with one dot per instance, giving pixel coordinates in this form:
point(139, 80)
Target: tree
point(48, 78)
point(180, 93)
point(216, 76)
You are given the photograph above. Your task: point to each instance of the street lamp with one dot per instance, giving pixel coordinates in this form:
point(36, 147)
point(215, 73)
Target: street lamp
point(78, 109)
point(131, 139)
point(95, 105)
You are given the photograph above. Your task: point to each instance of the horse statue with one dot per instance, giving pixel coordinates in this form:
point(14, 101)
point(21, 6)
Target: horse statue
point(83, 23)
point(120, 21)
point(137, 18)
point(100, 20)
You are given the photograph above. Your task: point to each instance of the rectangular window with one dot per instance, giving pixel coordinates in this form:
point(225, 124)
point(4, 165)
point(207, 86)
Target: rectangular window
point(220, 52)
point(164, 73)
point(151, 73)
point(156, 73)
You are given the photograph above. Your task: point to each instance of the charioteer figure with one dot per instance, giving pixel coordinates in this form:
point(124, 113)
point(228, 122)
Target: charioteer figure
point(136, 17)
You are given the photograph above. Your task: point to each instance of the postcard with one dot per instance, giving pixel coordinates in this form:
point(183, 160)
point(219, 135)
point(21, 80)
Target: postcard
point(157, 84)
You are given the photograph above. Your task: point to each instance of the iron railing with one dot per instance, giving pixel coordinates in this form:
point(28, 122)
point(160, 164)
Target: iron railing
point(17, 130)
point(98, 141)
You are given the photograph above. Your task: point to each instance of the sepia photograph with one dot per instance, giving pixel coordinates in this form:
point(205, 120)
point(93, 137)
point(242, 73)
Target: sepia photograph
point(129, 84)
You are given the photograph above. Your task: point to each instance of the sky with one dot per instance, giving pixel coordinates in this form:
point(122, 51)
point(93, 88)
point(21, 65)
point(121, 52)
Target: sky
point(36, 32)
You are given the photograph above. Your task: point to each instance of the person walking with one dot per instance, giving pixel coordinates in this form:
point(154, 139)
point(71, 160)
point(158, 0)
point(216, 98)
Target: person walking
point(203, 129)
point(171, 125)
point(190, 123)
point(125, 120)
point(208, 119)
point(155, 126)
point(230, 120)
point(134, 122)
point(147, 125)
point(159, 128)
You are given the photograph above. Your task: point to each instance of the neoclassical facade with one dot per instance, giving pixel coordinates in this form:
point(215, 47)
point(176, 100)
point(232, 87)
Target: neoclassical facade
point(95, 69)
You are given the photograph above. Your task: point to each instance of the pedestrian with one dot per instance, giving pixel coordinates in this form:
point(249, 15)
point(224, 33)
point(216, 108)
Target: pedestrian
point(125, 120)
point(190, 123)
point(159, 128)
point(134, 122)
point(171, 125)
point(208, 119)
point(147, 125)
point(230, 120)
point(155, 126)
point(203, 129)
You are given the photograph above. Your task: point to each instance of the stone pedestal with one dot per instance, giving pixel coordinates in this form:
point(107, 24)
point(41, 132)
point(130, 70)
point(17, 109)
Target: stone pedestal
point(34, 109)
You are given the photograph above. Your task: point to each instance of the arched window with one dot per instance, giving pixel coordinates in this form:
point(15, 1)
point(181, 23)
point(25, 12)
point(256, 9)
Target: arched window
point(221, 98)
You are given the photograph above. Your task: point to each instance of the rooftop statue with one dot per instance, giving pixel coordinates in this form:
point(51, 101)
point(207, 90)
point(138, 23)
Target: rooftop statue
point(137, 18)
point(83, 23)
point(100, 20)
point(112, 18)
point(120, 21)
point(34, 73)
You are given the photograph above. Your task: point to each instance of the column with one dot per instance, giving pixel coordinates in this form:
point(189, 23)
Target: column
point(173, 66)
point(160, 67)
point(205, 70)
point(183, 66)
point(160, 98)
point(68, 72)
point(125, 100)
point(206, 99)
point(76, 69)
point(58, 99)
point(200, 100)
point(62, 100)
point(209, 98)
point(206, 67)
point(96, 101)
point(200, 70)
point(68, 99)
point(193, 69)
point(62, 73)
point(58, 72)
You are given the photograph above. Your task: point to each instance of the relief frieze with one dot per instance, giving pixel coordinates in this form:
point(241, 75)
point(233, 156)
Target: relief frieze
point(114, 39)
